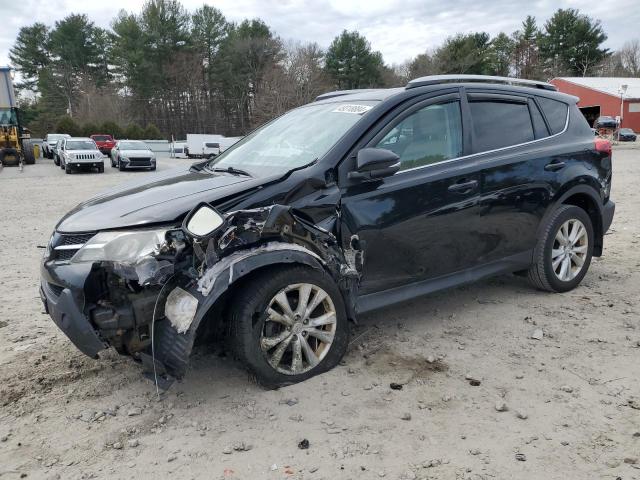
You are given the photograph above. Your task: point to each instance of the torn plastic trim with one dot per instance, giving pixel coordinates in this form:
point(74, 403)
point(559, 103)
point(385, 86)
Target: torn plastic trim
point(173, 348)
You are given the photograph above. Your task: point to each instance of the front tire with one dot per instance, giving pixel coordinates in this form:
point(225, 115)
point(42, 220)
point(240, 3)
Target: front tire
point(289, 326)
point(564, 250)
point(120, 166)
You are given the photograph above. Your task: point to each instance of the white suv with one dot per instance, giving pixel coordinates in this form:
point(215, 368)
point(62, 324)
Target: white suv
point(80, 153)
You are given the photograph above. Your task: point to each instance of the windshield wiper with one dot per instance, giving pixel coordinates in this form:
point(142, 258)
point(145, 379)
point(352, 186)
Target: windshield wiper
point(233, 170)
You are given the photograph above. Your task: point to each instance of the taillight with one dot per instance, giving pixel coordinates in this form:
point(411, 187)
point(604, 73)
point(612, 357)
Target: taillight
point(603, 146)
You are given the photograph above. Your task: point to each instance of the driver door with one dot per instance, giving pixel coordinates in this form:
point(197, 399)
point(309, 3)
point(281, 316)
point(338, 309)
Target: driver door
point(422, 222)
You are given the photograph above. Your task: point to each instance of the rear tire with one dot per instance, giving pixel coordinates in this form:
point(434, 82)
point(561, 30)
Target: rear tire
point(564, 250)
point(317, 348)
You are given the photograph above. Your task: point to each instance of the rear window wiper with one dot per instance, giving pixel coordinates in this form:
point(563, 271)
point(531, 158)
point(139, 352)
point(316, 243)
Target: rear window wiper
point(232, 170)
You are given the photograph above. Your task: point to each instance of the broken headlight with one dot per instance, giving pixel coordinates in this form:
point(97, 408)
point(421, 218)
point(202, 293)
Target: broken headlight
point(125, 246)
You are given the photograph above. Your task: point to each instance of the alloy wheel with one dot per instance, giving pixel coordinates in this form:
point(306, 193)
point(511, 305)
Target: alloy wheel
point(299, 329)
point(570, 248)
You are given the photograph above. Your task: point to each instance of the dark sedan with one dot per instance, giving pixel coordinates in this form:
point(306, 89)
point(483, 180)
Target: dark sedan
point(627, 135)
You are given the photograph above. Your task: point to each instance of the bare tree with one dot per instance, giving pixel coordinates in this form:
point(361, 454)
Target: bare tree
point(630, 57)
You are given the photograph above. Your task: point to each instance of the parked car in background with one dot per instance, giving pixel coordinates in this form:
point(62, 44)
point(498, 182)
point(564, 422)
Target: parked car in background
point(132, 154)
point(627, 135)
point(354, 202)
point(104, 142)
point(49, 143)
point(80, 153)
point(605, 122)
point(55, 149)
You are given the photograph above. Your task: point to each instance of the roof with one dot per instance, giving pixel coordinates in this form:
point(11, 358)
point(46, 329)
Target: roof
point(359, 94)
point(607, 85)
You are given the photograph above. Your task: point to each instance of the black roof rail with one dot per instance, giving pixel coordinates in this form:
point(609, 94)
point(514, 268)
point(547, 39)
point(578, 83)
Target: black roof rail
point(339, 93)
point(439, 79)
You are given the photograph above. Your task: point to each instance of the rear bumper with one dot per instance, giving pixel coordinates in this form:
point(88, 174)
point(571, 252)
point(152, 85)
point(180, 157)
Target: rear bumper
point(65, 311)
point(608, 209)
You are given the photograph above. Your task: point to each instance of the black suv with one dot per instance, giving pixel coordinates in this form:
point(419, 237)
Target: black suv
point(359, 200)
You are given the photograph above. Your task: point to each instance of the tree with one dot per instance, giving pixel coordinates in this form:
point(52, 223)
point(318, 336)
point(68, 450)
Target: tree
point(571, 43)
point(151, 132)
point(89, 129)
point(209, 29)
point(630, 57)
point(422, 65)
point(30, 54)
point(526, 55)
point(133, 132)
point(464, 53)
point(111, 128)
point(351, 62)
point(68, 125)
point(501, 55)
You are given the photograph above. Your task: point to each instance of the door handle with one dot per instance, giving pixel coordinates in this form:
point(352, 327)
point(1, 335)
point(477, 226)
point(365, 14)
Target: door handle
point(554, 166)
point(463, 187)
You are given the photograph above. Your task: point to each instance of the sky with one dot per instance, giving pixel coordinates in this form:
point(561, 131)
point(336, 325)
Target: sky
point(398, 29)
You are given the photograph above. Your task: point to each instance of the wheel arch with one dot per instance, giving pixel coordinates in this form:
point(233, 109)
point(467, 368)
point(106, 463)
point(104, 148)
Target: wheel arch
point(586, 198)
point(174, 349)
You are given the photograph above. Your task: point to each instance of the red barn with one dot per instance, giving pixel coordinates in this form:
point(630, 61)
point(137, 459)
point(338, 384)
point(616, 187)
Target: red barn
point(605, 96)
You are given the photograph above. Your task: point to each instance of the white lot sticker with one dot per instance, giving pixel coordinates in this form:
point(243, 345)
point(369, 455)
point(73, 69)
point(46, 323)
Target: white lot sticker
point(357, 109)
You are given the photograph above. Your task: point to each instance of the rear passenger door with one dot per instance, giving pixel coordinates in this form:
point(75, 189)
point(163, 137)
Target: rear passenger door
point(511, 139)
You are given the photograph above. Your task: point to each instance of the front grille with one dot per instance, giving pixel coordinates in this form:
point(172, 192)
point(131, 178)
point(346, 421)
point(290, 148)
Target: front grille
point(67, 240)
point(140, 162)
point(84, 156)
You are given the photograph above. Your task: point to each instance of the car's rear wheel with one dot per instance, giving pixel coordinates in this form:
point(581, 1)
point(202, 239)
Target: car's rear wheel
point(289, 326)
point(564, 251)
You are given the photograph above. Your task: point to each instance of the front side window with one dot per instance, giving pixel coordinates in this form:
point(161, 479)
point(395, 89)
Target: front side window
point(429, 135)
point(500, 124)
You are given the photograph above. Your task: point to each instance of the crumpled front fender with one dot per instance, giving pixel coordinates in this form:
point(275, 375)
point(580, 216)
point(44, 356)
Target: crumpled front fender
point(173, 348)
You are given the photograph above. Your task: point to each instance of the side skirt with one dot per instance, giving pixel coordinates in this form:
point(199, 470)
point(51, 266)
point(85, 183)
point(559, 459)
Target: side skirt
point(374, 301)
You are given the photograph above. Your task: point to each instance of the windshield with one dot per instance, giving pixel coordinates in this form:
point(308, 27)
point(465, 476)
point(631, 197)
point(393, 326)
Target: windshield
point(133, 146)
point(102, 138)
point(80, 145)
point(53, 137)
point(8, 117)
point(293, 140)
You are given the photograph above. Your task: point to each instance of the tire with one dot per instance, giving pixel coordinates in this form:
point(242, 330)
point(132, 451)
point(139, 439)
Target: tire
point(67, 170)
point(542, 273)
point(101, 168)
point(121, 167)
point(113, 165)
point(29, 154)
point(56, 160)
point(251, 326)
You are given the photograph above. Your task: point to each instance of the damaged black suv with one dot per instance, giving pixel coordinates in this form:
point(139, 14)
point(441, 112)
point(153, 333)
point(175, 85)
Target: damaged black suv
point(356, 201)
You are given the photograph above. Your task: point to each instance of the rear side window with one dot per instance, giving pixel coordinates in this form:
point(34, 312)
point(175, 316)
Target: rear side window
point(500, 124)
point(556, 113)
point(538, 122)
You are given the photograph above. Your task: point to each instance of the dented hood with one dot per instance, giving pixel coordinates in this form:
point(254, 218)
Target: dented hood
point(159, 198)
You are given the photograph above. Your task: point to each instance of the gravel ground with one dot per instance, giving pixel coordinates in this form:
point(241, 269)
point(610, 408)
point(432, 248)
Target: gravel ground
point(564, 406)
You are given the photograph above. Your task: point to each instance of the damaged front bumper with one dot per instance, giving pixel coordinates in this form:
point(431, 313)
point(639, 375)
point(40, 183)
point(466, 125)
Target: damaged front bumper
point(158, 311)
point(65, 308)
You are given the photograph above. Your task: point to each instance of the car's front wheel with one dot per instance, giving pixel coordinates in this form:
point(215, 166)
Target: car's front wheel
point(289, 326)
point(564, 251)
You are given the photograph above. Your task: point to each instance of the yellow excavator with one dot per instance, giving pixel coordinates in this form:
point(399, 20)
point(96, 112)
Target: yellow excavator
point(15, 144)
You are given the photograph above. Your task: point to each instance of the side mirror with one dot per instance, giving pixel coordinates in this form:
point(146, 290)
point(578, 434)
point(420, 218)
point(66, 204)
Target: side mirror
point(202, 221)
point(375, 163)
